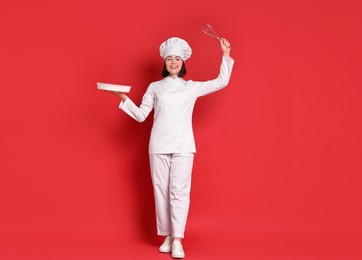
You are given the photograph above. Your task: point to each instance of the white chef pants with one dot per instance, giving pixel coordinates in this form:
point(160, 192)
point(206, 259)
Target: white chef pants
point(171, 178)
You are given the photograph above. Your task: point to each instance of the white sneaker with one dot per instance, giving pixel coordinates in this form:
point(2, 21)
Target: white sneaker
point(177, 250)
point(166, 246)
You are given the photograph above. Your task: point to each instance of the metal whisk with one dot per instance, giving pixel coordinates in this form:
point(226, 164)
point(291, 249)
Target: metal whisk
point(206, 28)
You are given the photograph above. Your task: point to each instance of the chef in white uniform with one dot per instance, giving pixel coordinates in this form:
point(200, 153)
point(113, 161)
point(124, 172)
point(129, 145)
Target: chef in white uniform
point(172, 145)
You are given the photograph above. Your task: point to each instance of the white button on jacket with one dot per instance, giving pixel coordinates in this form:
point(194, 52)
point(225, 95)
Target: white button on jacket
point(174, 101)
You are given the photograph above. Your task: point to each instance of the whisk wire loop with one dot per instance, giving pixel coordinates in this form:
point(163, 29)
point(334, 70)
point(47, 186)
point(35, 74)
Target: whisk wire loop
point(207, 28)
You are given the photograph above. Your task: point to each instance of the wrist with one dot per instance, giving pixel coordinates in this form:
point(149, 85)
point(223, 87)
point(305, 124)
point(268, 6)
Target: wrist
point(123, 97)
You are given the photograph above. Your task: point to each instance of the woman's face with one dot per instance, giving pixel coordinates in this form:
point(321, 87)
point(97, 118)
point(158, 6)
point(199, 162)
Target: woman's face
point(173, 65)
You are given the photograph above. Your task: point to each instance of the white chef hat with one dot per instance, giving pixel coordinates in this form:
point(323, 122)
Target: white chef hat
point(175, 46)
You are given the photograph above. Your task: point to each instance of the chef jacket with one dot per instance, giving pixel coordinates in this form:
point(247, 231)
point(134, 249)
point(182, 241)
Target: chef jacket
point(174, 101)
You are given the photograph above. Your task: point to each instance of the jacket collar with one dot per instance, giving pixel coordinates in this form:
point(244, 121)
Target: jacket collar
point(169, 79)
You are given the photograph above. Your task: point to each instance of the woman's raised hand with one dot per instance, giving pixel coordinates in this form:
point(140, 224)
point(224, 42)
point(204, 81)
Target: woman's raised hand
point(225, 46)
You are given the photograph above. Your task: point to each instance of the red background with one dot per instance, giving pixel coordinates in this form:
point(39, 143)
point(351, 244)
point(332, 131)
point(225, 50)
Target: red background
point(278, 169)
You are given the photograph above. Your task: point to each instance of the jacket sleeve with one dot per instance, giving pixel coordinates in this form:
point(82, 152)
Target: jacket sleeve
point(139, 113)
point(207, 87)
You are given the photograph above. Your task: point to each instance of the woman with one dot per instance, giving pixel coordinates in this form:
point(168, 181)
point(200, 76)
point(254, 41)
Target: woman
point(172, 145)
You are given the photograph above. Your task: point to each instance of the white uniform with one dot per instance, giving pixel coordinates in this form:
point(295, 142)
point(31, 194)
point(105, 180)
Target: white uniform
point(172, 137)
point(173, 101)
point(171, 178)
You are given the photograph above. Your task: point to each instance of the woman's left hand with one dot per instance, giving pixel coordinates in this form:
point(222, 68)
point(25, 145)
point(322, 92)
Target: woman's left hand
point(225, 46)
